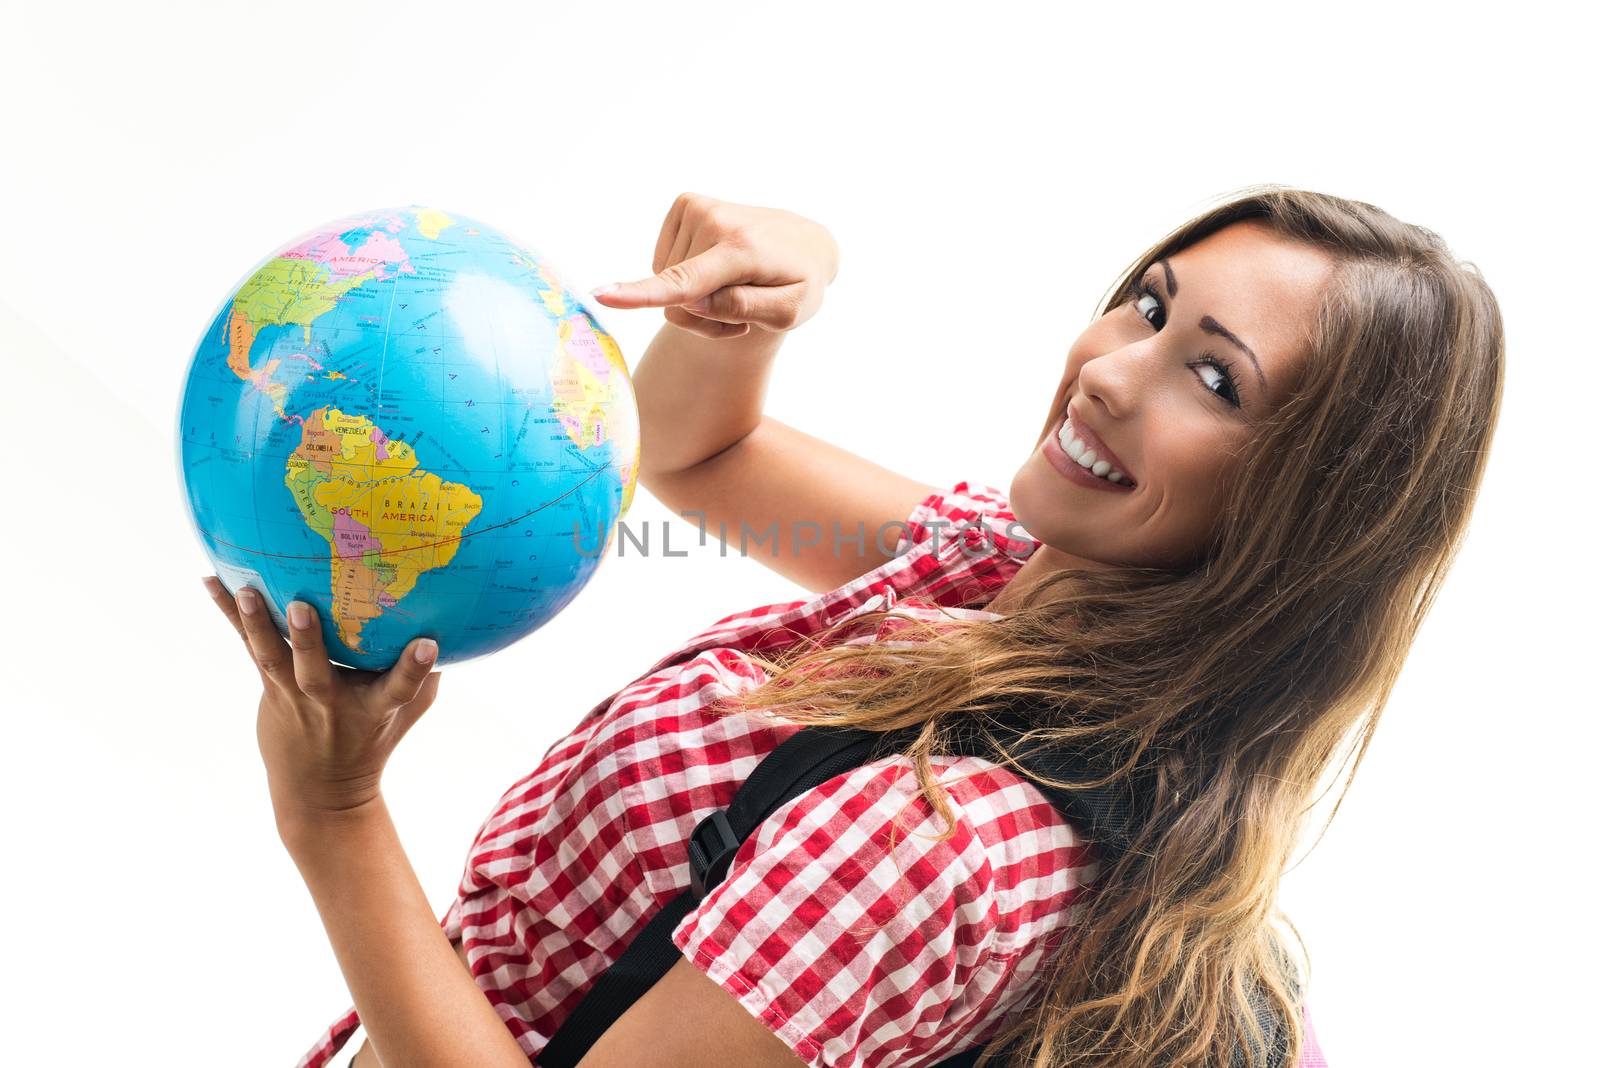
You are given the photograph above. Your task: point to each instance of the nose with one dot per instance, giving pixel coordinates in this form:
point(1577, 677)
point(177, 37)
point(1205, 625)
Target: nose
point(1110, 380)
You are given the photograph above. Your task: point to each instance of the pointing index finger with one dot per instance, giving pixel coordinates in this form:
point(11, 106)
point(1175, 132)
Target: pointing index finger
point(679, 283)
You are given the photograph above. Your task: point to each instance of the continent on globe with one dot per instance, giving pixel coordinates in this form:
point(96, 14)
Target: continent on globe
point(585, 382)
point(385, 520)
point(300, 286)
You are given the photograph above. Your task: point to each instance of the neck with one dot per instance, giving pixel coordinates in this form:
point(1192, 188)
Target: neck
point(1044, 561)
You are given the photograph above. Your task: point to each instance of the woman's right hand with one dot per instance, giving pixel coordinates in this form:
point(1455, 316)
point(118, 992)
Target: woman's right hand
point(722, 268)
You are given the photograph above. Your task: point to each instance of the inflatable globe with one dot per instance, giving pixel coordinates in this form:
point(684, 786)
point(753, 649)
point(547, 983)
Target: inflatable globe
point(412, 422)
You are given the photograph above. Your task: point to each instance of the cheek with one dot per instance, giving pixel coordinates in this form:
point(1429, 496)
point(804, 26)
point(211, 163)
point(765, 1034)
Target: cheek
point(1086, 348)
point(1195, 470)
point(1191, 462)
point(1058, 404)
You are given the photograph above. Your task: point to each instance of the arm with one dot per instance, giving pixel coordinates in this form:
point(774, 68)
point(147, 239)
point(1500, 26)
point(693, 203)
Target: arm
point(687, 1021)
point(698, 396)
point(419, 1006)
point(715, 456)
point(731, 280)
point(788, 491)
point(325, 734)
point(752, 274)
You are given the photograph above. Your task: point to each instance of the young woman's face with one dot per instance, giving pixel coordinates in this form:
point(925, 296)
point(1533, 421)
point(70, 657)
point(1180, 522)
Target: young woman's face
point(1138, 382)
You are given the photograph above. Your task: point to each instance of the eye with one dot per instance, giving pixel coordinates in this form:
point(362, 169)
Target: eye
point(1144, 309)
point(1147, 300)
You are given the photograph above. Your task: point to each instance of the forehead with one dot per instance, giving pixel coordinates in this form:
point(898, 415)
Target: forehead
point(1264, 287)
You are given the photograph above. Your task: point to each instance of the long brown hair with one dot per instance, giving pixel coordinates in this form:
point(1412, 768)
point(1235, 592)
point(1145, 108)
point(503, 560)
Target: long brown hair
point(1233, 686)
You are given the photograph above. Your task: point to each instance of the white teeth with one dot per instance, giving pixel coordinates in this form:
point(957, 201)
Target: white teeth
point(1084, 456)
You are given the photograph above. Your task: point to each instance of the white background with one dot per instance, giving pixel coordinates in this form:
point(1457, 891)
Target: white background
point(986, 177)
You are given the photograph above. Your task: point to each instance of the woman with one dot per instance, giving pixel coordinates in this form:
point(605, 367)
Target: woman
point(1258, 464)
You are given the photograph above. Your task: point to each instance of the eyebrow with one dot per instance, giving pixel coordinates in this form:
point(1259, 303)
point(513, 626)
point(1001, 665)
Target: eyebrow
point(1210, 325)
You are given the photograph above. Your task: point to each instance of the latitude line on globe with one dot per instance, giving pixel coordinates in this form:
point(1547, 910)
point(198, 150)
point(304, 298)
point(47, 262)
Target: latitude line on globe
point(414, 548)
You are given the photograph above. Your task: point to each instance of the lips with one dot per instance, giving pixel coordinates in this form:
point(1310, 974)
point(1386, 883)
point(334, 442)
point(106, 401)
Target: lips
point(1095, 442)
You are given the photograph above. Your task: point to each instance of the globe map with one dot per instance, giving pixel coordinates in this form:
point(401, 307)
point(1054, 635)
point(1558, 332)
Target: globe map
point(408, 420)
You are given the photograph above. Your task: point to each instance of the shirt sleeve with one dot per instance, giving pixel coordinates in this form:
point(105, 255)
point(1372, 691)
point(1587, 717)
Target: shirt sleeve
point(961, 546)
point(853, 951)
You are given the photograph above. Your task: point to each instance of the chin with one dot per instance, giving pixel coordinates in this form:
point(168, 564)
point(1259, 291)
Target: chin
point(1054, 517)
point(1037, 500)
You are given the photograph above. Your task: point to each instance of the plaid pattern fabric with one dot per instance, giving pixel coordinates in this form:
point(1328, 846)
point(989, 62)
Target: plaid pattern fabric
point(840, 924)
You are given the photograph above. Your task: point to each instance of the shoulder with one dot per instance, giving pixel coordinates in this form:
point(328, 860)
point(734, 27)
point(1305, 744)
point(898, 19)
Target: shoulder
point(862, 928)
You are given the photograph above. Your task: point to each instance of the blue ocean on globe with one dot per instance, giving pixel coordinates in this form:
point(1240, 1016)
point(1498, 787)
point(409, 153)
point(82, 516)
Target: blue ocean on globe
point(408, 420)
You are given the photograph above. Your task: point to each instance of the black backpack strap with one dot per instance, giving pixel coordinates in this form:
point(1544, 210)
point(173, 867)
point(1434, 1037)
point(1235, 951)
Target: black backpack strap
point(806, 759)
point(1107, 814)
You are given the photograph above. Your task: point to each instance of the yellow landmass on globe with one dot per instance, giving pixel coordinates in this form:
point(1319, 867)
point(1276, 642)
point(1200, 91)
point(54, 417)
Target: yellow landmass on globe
point(589, 390)
point(625, 431)
point(613, 351)
point(580, 401)
point(386, 520)
point(431, 222)
point(555, 298)
point(630, 479)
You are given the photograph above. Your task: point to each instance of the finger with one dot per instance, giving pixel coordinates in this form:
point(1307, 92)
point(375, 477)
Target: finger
point(679, 283)
point(399, 685)
point(224, 601)
point(272, 654)
point(313, 673)
point(230, 610)
point(704, 327)
point(692, 240)
point(775, 307)
point(670, 229)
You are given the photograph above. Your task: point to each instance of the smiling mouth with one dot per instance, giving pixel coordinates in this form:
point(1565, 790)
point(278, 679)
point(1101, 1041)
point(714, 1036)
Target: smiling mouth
point(1121, 480)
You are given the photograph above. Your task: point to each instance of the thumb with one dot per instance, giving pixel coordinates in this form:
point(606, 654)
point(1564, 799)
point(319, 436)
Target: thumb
point(678, 283)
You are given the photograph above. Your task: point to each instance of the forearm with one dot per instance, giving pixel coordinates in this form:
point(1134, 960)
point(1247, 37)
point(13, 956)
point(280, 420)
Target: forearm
point(419, 1006)
point(697, 395)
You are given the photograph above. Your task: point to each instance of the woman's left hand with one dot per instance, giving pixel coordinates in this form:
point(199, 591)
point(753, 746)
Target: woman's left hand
point(325, 731)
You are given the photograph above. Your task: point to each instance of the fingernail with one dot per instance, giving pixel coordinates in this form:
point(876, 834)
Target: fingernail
point(247, 600)
point(426, 649)
point(213, 587)
point(703, 304)
point(600, 290)
point(299, 616)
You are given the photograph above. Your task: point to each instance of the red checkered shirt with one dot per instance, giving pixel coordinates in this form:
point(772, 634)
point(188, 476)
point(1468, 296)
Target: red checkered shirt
point(852, 951)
